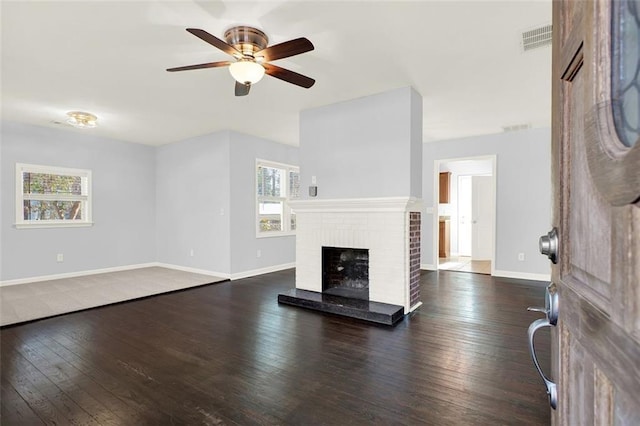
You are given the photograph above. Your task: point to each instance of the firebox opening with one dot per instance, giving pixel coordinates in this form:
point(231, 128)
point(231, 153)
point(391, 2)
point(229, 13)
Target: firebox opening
point(345, 272)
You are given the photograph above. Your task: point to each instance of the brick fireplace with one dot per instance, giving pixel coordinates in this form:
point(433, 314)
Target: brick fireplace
point(362, 160)
point(387, 229)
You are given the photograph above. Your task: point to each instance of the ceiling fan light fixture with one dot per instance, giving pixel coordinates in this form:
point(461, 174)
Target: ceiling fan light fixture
point(252, 57)
point(82, 120)
point(246, 71)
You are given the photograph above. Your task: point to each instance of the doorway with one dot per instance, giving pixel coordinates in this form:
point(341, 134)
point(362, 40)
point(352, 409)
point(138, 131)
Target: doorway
point(466, 214)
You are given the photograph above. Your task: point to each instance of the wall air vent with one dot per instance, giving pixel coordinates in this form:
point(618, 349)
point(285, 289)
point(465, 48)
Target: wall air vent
point(536, 37)
point(516, 127)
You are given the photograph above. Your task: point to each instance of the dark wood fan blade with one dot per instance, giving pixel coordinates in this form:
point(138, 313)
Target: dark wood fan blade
point(200, 66)
point(286, 49)
point(215, 41)
point(288, 76)
point(242, 89)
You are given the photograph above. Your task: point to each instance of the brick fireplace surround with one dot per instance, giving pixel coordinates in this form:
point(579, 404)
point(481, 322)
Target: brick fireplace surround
point(388, 227)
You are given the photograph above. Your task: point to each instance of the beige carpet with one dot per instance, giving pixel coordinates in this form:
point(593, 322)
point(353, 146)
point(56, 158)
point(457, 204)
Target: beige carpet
point(25, 302)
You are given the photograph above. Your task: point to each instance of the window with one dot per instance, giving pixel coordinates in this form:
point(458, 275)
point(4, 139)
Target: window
point(52, 196)
point(276, 184)
point(625, 70)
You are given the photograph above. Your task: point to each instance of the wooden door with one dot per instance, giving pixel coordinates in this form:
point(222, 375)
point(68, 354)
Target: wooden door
point(444, 237)
point(596, 178)
point(445, 188)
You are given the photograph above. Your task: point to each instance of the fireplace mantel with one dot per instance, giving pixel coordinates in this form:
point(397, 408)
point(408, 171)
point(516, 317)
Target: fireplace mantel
point(342, 205)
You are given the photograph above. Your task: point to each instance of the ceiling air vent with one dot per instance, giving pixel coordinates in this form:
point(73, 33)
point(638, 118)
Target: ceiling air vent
point(536, 37)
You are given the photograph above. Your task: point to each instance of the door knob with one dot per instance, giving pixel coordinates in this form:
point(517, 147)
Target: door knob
point(549, 245)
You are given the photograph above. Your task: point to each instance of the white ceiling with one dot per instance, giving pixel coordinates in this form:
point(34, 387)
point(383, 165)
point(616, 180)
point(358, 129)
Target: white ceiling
point(109, 58)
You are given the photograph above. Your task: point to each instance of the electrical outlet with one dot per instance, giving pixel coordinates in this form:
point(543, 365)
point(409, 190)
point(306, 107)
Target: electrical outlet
point(191, 252)
point(60, 257)
point(259, 253)
point(521, 257)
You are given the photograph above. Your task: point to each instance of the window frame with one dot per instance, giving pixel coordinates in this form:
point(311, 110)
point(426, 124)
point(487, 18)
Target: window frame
point(286, 213)
point(20, 197)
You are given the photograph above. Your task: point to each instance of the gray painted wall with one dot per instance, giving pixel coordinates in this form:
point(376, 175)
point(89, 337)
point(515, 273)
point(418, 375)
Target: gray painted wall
point(214, 176)
point(523, 193)
point(367, 147)
point(193, 203)
point(177, 198)
point(415, 156)
point(123, 185)
point(244, 244)
point(174, 204)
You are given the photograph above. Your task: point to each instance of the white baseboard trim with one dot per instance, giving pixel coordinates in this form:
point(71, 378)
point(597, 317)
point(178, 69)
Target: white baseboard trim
point(236, 276)
point(193, 270)
point(428, 267)
point(76, 274)
point(522, 275)
point(268, 269)
point(414, 307)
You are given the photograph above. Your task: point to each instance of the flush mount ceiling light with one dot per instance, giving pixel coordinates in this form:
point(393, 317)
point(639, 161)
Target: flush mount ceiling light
point(82, 120)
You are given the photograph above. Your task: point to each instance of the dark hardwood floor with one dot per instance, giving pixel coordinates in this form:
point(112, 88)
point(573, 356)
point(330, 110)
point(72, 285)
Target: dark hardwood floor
point(229, 354)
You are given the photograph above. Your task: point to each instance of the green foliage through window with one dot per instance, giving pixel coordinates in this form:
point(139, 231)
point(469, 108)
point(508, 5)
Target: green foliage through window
point(276, 184)
point(52, 195)
point(42, 183)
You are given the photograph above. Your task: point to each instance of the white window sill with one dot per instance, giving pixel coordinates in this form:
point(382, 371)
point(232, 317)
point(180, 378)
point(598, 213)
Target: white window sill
point(275, 234)
point(53, 225)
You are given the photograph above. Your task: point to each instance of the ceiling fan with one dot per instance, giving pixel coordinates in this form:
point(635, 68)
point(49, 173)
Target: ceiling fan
point(248, 46)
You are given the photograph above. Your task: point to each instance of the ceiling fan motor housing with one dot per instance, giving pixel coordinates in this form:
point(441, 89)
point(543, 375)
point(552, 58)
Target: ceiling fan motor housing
point(247, 40)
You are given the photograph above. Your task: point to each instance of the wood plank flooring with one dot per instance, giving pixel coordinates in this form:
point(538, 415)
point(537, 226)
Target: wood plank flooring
point(229, 354)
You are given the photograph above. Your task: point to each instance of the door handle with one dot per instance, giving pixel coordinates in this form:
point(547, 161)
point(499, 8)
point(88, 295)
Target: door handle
point(551, 312)
point(552, 389)
point(550, 305)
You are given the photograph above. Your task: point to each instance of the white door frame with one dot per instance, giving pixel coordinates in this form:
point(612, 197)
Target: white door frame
point(436, 203)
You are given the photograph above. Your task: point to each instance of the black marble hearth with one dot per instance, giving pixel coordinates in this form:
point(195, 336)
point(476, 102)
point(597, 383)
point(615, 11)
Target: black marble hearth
point(381, 313)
